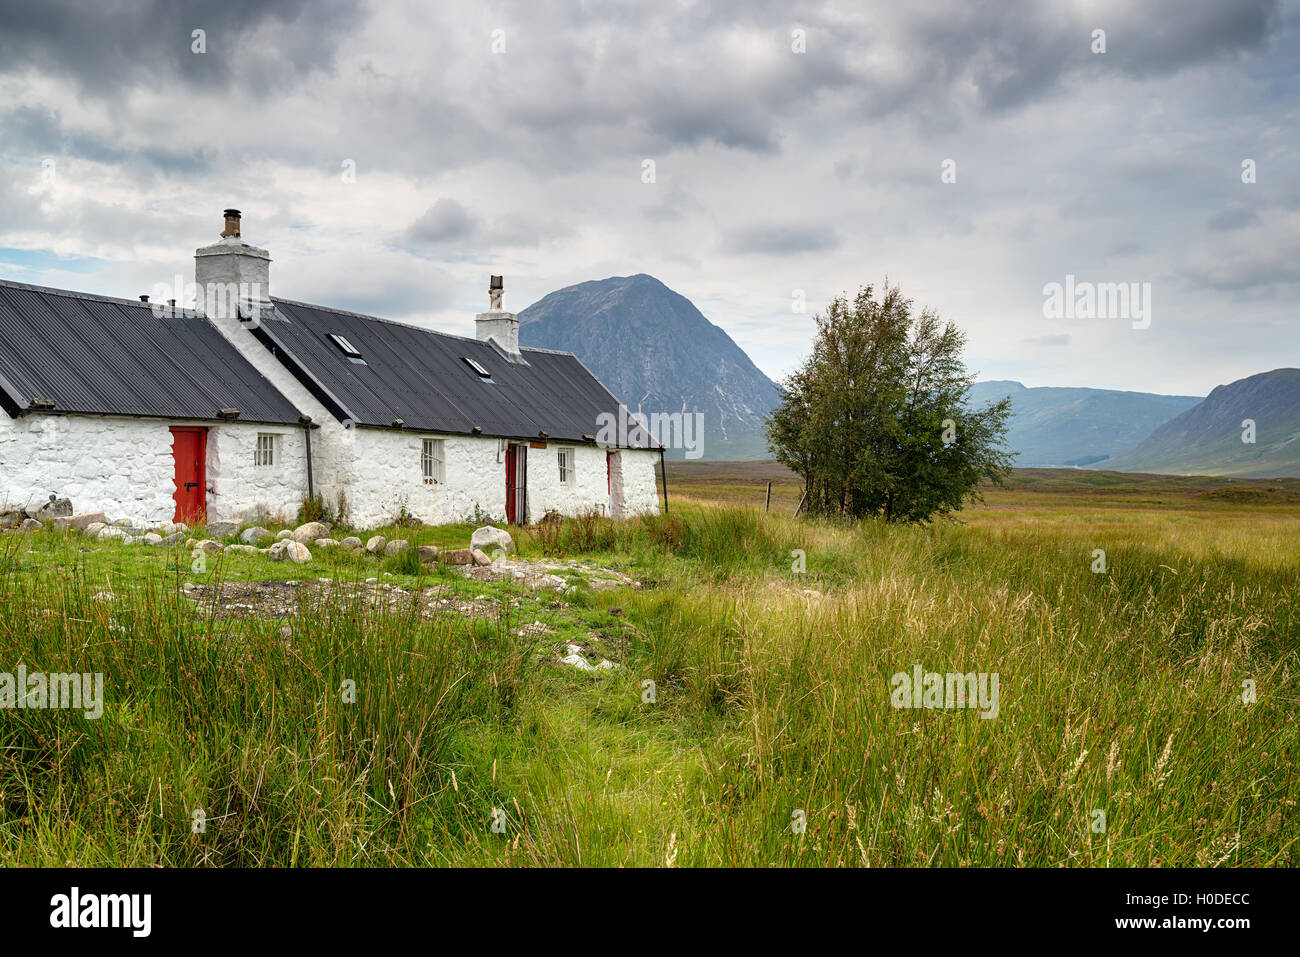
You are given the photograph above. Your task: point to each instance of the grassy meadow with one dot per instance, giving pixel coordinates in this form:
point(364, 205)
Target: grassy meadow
point(752, 692)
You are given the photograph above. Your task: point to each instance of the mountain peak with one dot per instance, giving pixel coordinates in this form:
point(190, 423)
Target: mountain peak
point(658, 353)
point(1250, 427)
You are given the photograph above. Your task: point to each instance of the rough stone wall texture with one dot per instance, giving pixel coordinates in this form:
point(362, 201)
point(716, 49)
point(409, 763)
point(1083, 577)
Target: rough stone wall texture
point(243, 490)
point(640, 484)
point(121, 466)
point(387, 476)
point(124, 467)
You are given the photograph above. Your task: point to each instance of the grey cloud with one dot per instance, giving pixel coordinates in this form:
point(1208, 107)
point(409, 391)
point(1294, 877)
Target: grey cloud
point(446, 221)
point(111, 46)
point(1237, 217)
point(781, 239)
point(1056, 340)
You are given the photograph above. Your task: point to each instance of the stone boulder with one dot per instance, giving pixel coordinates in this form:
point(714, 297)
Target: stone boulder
point(376, 544)
point(310, 532)
point(172, 528)
point(171, 539)
point(428, 554)
point(54, 508)
point(490, 537)
point(288, 550)
point(110, 531)
point(11, 517)
point(351, 543)
point(480, 557)
point(243, 549)
point(282, 535)
point(152, 538)
point(31, 525)
point(396, 546)
point(326, 543)
point(209, 546)
point(222, 529)
point(457, 556)
point(79, 522)
point(251, 536)
point(94, 528)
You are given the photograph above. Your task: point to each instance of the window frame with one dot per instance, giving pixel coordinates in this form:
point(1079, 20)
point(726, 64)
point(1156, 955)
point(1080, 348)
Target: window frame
point(266, 455)
point(566, 459)
point(433, 461)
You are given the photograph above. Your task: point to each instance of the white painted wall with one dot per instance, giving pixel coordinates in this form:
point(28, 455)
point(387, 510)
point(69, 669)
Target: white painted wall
point(124, 467)
point(240, 489)
point(386, 476)
point(121, 466)
point(640, 482)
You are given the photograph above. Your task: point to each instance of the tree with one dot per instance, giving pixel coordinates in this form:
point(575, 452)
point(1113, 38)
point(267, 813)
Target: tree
point(876, 420)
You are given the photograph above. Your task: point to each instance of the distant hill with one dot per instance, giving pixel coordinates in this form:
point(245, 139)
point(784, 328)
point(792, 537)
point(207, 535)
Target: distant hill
point(1077, 427)
point(657, 353)
point(1207, 438)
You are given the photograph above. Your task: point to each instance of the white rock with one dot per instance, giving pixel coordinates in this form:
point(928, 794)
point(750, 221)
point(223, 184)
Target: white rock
point(310, 532)
point(281, 536)
point(376, 544)
point(287, 550)
point(489, 538)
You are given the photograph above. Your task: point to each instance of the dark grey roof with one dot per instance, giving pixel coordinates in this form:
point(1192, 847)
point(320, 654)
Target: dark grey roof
point(92, 354)
point(420, 376)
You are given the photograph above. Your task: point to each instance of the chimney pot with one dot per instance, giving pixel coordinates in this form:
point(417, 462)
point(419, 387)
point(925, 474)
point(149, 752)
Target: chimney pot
point(144, 298)
point(232, 224)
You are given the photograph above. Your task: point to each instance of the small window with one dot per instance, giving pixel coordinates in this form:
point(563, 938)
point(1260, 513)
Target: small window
point(565, 459)
point(265, 454)
point(482, 373)
point(347, 348)
point(432, 465)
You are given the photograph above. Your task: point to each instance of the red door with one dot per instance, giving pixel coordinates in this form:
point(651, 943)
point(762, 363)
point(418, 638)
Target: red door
point(516, 484)
point(190, 450)
point(510, 483)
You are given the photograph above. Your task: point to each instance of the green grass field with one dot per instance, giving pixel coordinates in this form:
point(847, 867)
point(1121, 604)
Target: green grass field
point(752, 691)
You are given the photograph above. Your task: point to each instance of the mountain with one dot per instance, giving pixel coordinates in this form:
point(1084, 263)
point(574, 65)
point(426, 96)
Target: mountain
point(1207, 438)
point(657, 353)
point(1082, 427)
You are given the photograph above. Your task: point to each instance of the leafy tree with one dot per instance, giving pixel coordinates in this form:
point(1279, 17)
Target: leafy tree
point(876, 422)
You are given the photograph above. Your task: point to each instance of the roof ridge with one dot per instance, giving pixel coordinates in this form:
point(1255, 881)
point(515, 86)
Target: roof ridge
point(406, 325)
point(94, 297)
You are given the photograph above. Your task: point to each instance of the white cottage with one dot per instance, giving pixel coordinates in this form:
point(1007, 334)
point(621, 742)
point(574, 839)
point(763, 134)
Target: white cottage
point(246, 404)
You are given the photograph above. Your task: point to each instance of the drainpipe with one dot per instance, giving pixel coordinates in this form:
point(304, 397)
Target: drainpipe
point(305, 421)
point(664, 472)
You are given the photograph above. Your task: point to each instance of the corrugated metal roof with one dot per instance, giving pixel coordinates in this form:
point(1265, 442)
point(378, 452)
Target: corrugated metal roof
point(96, 355)
point(420, 376)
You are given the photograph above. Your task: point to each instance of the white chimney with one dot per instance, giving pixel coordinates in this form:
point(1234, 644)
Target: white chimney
point(497, 325)
point(233, 278)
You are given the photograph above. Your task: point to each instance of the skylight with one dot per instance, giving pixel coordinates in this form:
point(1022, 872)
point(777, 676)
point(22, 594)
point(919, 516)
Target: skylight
point(347, 348)
point(482, 373)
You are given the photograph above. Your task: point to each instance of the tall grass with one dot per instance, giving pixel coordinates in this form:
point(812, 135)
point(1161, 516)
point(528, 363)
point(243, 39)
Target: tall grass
point(752, 685)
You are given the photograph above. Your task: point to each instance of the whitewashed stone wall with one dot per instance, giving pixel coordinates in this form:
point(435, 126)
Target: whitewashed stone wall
point(640, 482)
point(242, 490)
point(386, 477)
point(120, 466)
point(125, 468)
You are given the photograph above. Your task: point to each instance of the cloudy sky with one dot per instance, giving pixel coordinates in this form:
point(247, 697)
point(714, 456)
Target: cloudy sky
point(514, 138)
